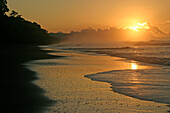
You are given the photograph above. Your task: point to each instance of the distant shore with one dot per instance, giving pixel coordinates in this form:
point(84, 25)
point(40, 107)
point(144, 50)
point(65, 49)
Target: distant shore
point(19, 95)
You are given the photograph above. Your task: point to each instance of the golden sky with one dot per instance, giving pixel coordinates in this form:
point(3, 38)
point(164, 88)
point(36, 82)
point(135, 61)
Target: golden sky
point(68, 15)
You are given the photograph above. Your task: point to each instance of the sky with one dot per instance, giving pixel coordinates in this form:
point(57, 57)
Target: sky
point(73, 15)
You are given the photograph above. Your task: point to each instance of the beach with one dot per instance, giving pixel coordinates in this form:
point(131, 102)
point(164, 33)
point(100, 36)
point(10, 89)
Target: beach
point(63, 79)
point(98, 56)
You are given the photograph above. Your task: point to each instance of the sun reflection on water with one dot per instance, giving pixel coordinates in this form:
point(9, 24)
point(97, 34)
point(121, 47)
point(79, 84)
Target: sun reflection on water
point(134, 66)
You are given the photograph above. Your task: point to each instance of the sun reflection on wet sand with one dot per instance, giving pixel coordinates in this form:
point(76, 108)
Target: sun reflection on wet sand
point(134, 66)
point(133, 79)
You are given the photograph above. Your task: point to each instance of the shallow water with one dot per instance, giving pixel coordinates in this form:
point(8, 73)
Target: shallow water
point(147, 84)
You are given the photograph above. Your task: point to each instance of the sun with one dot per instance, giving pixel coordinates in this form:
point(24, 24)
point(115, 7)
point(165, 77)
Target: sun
point(139, 26)
point(135, 28)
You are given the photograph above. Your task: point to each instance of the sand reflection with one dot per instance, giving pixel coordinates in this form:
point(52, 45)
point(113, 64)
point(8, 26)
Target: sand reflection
point(133, 79)
point(134, 66)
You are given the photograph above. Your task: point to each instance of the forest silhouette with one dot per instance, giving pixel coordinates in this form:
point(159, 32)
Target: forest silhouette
point(15, 29)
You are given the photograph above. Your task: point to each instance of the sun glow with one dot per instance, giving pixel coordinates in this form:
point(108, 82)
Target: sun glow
point(139, 26)
point(135, 28)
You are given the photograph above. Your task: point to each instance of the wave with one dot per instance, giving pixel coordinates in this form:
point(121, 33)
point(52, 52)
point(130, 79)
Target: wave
point(133, 56)
point(152, 44)
point(148, 84)
point(131, 53)
point(86, 49)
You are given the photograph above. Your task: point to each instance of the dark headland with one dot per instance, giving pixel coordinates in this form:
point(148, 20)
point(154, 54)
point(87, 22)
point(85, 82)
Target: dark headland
point(19, 44)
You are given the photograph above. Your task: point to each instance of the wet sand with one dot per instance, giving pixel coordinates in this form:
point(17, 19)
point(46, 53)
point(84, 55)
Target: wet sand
point(64, 81)
point(18, 93)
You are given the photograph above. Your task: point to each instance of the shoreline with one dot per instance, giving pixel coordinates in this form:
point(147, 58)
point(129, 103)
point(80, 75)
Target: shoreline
point(19, 94)
point(65, 83)
point(112, 87)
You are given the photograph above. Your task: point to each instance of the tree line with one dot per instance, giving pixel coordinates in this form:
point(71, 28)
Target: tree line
point(15, 29)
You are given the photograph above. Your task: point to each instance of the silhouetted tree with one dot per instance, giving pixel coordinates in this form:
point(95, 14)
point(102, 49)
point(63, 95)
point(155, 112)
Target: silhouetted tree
point(3, 7)
point(13, 13)
point(16, 30)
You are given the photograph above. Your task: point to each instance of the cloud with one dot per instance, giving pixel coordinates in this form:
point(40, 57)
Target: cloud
point(156, 31)
point(112, 34)
point(165, 22)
